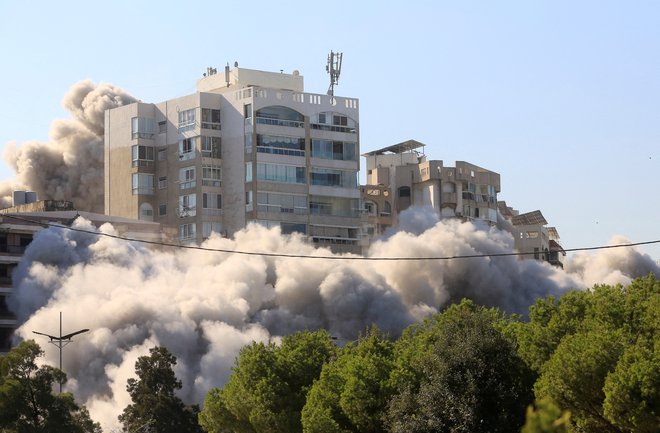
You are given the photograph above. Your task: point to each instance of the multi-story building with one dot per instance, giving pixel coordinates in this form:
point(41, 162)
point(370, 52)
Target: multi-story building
point(532, 237)
point(400, 176)
point(19, 224)
point(247, 146)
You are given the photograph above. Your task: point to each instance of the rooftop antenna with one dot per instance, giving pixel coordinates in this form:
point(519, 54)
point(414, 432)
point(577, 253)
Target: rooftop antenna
point(61, 341)
point(334, 69)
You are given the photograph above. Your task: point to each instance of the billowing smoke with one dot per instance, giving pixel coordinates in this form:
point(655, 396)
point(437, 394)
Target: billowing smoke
point(204, 306)
point(69, 166)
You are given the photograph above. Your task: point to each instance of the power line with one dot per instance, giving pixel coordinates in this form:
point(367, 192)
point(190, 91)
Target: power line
point(304, 256)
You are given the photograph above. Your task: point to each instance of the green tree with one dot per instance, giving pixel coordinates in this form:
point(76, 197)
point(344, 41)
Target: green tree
point(466, 376)
point(268, 386)
point(547, 417)
point(27, 402)
point(155, 407)
point(353, 391)
point(597, 355)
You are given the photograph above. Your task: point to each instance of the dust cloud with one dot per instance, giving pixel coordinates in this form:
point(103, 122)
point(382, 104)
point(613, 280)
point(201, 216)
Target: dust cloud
point(70, 165)
point(204, 306)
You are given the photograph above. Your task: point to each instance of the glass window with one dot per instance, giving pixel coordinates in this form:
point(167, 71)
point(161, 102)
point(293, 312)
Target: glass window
point(187, 147)
point(162, 182)
point(187, 177)
point(162, 154)
point(337, 150)
point(278, 145)
point(187, 205)
point(281, 173)
point(187, 231)
point(142, 156)
point(282, 203)
point(281, 116)
point(332, 177)
point(162, 209)
point(210, 118)
point(211, 147)
point(211, 176)
point(334, 206)
point(142, 127)
point(187, 120)
point(142, 183)
point(211, 201)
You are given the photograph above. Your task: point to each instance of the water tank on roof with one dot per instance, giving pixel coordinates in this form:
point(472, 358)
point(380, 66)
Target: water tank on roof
point(19, 198)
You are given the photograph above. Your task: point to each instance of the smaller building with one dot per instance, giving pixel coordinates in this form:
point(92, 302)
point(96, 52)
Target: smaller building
point(20, 223)
point(532, 237)
point(400, 176)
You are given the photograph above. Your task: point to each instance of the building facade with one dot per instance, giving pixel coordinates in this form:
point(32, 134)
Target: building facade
point(400, 176)
point(247, 146)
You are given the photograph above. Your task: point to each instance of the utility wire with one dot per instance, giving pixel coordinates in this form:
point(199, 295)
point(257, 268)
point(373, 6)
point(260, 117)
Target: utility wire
point(303, 256)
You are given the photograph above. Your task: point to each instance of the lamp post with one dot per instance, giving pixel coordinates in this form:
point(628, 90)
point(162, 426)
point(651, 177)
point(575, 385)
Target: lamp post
point(61, 341)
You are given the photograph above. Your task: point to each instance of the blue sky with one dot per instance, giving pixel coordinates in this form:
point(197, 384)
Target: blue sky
point(562, 98)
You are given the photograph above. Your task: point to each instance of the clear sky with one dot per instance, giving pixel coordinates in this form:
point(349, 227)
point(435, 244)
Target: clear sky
point(562, 98)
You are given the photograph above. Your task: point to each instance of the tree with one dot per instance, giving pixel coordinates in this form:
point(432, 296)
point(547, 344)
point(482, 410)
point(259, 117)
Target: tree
point(27, 403)
point(597, 355)
point(155, 407)
point(353, 391)
point(466, 376)
point(547, 417)
point(268, 386)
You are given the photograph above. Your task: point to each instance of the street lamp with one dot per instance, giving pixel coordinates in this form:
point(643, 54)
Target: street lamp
point(61, 341)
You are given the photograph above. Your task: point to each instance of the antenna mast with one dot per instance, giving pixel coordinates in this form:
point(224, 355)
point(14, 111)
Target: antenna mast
point(334, 69)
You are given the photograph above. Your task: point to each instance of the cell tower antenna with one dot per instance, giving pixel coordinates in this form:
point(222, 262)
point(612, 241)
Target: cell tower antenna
point(334, 69)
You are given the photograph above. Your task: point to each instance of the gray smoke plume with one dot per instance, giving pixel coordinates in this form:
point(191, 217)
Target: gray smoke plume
point(70, 165)
point(204, 306)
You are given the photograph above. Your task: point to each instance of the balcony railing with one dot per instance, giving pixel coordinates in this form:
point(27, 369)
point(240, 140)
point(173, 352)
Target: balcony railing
point(280, 122)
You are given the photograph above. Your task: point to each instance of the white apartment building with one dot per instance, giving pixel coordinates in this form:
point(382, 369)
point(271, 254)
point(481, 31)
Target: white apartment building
point(400, 176)
point(247, 146)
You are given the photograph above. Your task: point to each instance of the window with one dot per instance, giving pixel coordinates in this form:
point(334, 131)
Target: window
point(404, 191)
point(211, 201)
point(211, 147)
point(282, 203)
point(248, 172)
point(210, 118)
point(277, 145)
point(187, 205)
point(332, 177)
point(248, 142)
point(247, 111)
point(338, 120)
point(146, 212)
point(280, 116)
point(162, 154)
point(162, 127)
point(337, 150)
point(335, 122)
point(187, 178)
point(186, 231)
point(387, 209)
point(281, 173)
point(162, 182)
point(142, 156)
point(187, 120)
point(187, 148)
point(289, 228)
point(208, 228)
point(142, 183)
point(334, 206)
point(142, 127)
point(162, 210)
point(211, 176)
